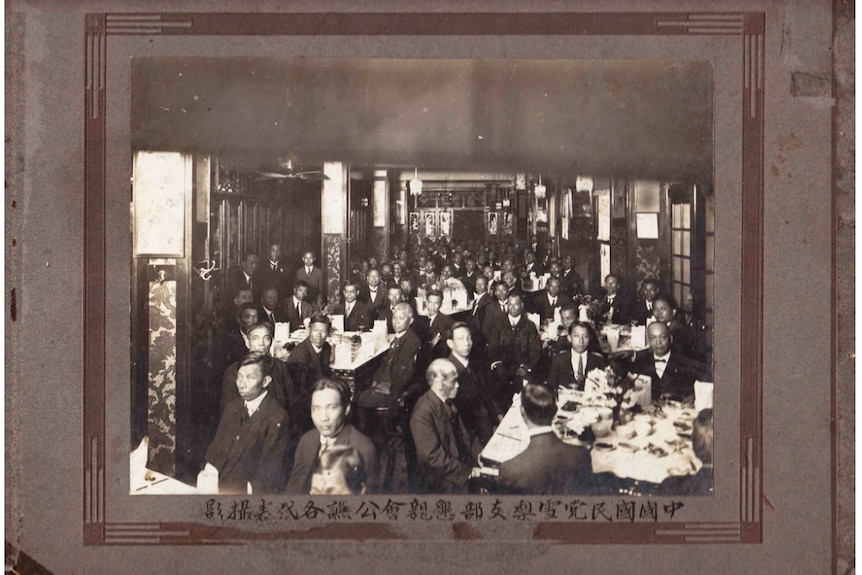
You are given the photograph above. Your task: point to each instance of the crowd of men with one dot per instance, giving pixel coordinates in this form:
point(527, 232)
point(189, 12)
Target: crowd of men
point(444, 383)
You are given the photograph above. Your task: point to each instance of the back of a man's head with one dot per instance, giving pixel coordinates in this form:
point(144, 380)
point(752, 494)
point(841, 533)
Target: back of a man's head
point(539, 403)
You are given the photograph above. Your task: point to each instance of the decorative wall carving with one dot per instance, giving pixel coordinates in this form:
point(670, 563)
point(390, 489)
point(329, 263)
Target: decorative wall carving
point(162, 375)
point(333, 254)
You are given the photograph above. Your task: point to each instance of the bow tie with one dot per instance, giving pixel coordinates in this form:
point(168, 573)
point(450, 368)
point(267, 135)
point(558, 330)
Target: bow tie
point(660, 360)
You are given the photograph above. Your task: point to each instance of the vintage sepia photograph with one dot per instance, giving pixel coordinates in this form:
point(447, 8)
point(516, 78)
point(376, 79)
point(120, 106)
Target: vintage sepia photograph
point(404, 276)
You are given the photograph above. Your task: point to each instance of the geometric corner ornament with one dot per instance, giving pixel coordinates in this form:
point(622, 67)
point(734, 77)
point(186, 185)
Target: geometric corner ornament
point(749, 27)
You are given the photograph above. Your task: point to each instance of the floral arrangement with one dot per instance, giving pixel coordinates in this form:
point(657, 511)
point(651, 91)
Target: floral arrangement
point(616, 389)
point(597, 311)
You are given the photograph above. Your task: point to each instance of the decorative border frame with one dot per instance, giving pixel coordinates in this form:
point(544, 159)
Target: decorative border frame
point(749, 27)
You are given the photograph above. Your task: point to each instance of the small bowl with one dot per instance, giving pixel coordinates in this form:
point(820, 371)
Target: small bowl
point(601, 427)
point(606, 413)
point(646, 417)
point(626, 431)
point(643, 428)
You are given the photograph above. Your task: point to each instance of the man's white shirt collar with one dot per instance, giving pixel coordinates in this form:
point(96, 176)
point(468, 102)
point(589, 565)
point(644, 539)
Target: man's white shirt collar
point(539, 430)
point(254, 404)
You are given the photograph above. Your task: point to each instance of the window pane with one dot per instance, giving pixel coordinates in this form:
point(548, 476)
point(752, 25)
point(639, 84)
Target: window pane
point(677, 242)
point(686, 216)
point(677, 216)
point(677, 269)
point(686, 268)
point(677, 292)
point(686, 243)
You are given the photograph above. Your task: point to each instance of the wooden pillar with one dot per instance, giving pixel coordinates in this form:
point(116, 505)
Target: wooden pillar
point(333, 212)
point(381, 225)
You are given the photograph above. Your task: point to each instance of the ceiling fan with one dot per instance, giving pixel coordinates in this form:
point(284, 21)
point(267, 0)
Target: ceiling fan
point(290, 174)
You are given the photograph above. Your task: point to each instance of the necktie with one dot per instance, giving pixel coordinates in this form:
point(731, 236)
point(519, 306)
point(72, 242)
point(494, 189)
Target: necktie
point(272, 267)
point(299, 310)
point(649, 305)
point(244, 417)
point(249, 284)
point(580, 367)
point(553, 302)
point(324, 445)
point(308, 271)
point(272, 318)
point(348, 309)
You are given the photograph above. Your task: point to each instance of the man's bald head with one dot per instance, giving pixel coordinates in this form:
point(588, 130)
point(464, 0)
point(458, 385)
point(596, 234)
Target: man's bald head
point(659, 338)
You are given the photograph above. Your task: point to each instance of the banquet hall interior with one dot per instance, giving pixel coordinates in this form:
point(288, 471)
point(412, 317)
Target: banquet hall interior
point(365, 163)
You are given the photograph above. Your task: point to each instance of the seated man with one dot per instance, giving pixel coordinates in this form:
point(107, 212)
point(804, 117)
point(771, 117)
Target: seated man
point(570, 368)
point(700, 483)
point(433, 329)
point(242, 296)
point(444, 449)
point(514, 350)
point(330, 408)
point(283, 388)
point(548, 466)
point(572, 283)
point(314, 351)
point(471, 399)
point(339, 471)
point(616, 300)
point(250, 447)
point(684, 339)
point(233, 344)
point(357, 316)
point(392, 379)
point(394, 296)
point(641, 310)
point(545, 304)
point(672, 375)
point(268, 309)
point(496, 310)
point(373, 293)
point(296, 309)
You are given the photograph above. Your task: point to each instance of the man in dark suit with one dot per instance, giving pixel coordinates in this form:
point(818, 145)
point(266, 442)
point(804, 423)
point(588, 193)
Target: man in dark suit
point(393, 378)
point(296, 308)
point(496, 310)
point(445, 451)
point(671, 374)
point(546, 303)
point(242, 296)
point(548, 466)
point(282, 386)
point(642, 309)
point(514, 350)
point(471, 399)
point(250, 446)
point(531, 266)
point(313, 276)
point(572, 283)
point(373, 294)
point(615, 299)
point(570, 368)
point(268, 308)
point(357, 317)
point(242, 277)
point(470, 275)
point(271, 273)
point(432, 330)
point(394, 296)
point(330, 409)
point(314, 351)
